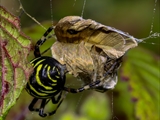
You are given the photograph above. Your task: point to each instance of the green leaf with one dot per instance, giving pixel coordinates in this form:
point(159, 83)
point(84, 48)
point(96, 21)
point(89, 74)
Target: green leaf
point(14, 67)
point(142, 70)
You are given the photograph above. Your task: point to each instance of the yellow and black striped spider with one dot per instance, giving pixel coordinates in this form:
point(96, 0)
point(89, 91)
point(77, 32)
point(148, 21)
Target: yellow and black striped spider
point(48, 80)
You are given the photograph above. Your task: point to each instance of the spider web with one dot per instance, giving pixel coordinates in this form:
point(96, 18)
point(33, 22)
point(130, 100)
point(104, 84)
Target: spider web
point(86, 9)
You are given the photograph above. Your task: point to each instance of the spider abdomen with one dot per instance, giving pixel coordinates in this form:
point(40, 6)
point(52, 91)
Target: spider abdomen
point(46, 80)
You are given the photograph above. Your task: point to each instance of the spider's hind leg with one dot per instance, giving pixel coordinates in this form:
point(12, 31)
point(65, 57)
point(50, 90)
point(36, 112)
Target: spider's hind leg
point(54, 101)
point(32, 105)
point(41, 109)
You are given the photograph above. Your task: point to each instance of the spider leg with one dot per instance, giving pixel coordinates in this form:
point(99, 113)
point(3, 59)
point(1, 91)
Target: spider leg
point(41, 110)
point(86, 87)
point(54, 101)
point(32, 105)
point(54, 111)
point(47, 101)
point(44, 102)
point(114, 66)
point(41, 41)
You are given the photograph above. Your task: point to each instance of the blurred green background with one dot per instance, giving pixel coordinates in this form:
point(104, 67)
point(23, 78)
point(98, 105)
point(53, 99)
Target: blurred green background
point(136, 96)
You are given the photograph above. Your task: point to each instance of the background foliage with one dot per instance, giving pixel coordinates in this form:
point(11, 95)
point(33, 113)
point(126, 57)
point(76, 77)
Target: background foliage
point(136, 96)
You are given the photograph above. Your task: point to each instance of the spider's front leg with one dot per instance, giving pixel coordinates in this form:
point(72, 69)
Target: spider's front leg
point(41, 41)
